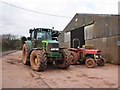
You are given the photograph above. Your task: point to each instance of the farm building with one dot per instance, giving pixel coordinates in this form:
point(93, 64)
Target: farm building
point(100, 30)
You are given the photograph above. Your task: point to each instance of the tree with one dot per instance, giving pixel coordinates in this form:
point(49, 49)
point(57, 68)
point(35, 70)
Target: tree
point(10, 42)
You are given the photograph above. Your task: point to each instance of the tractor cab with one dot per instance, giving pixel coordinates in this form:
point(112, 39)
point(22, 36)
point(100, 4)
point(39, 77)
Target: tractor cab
point(43, 38)
point(40, 33)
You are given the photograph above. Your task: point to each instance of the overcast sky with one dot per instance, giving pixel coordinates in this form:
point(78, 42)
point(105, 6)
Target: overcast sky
point(18, 21)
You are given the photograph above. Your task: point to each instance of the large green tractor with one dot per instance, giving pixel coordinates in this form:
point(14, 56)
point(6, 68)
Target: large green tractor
point(41, 48)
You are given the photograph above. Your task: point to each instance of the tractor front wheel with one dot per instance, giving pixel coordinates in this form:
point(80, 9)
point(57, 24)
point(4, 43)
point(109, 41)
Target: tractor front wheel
point(90, 63)
point(101, 62)
point(24, 54)
point(38, 60)
point(63, 63)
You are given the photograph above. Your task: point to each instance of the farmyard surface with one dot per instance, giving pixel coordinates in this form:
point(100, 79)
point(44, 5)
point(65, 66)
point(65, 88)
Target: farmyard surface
point(17, 75)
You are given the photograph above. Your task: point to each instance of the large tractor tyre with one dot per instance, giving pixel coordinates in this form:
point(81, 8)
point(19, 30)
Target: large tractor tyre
point(90, 63)
point(101, 62)
point(74, 57)
point(64, 63)
point(24, 54)
point(38, 60)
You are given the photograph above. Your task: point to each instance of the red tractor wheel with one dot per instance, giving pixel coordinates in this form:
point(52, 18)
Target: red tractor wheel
point(38, 60)
point(24, 54)
point(90, 63)
point(74, 57)
point(101, 62)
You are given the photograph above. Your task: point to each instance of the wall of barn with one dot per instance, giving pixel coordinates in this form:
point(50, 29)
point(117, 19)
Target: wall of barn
point(104, 35)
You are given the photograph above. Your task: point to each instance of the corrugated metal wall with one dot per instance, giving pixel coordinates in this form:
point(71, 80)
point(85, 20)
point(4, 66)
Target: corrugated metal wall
point(64, 39)
point(105, 26)
point(67, 38)
point(88, 31)
point(99, 26)
point(61, 38)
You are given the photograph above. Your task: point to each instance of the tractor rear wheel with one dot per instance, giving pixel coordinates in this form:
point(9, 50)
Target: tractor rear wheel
point(63, 63)
point(38, 60)
point(24, 54)
point(101, 62)
point(74, 57)
point(90, 63)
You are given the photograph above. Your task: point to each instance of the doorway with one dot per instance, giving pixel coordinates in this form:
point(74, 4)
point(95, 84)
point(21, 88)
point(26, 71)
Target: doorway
point(77, 37)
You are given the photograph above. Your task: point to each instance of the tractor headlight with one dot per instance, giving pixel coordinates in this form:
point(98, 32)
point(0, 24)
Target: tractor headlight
point(54, 49)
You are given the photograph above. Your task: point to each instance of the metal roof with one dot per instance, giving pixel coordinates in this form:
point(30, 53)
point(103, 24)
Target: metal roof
point(84, 19)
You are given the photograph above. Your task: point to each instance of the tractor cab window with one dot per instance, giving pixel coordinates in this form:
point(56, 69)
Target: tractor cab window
point(49, 35)
point(43, 35)
point(33, 35)
point(40, 36)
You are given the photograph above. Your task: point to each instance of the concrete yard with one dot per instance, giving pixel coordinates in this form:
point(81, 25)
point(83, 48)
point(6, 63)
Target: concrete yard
point(17, 75)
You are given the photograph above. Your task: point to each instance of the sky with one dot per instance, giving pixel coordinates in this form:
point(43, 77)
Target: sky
point(49, 14)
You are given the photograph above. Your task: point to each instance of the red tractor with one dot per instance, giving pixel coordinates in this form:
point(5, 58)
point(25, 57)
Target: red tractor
point(89, 57)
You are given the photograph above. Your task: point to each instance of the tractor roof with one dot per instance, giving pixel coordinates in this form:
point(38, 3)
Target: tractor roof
point(41, 29)
point(55, 33)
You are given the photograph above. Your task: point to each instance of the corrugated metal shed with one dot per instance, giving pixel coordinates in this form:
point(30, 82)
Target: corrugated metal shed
point(104, 34)
point(104, 23)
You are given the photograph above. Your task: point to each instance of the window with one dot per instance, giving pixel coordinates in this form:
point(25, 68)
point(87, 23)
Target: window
point(44, 35)
point(40, 35)
point(33, 35)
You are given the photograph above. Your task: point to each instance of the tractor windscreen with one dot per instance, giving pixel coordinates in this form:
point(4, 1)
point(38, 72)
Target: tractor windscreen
point(43, 35)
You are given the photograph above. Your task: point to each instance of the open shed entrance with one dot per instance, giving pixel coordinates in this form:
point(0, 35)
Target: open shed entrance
point(77, 37)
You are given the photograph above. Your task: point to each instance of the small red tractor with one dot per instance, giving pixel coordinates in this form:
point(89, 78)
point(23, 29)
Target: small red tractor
point(89, 57)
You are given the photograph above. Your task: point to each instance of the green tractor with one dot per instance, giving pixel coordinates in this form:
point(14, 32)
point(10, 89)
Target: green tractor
point(42, 48)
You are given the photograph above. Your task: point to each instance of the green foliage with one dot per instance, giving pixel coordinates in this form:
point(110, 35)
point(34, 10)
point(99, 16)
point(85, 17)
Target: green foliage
point(10, 42)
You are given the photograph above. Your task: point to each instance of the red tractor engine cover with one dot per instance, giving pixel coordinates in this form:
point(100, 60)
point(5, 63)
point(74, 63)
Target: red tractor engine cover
point(91, 51)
